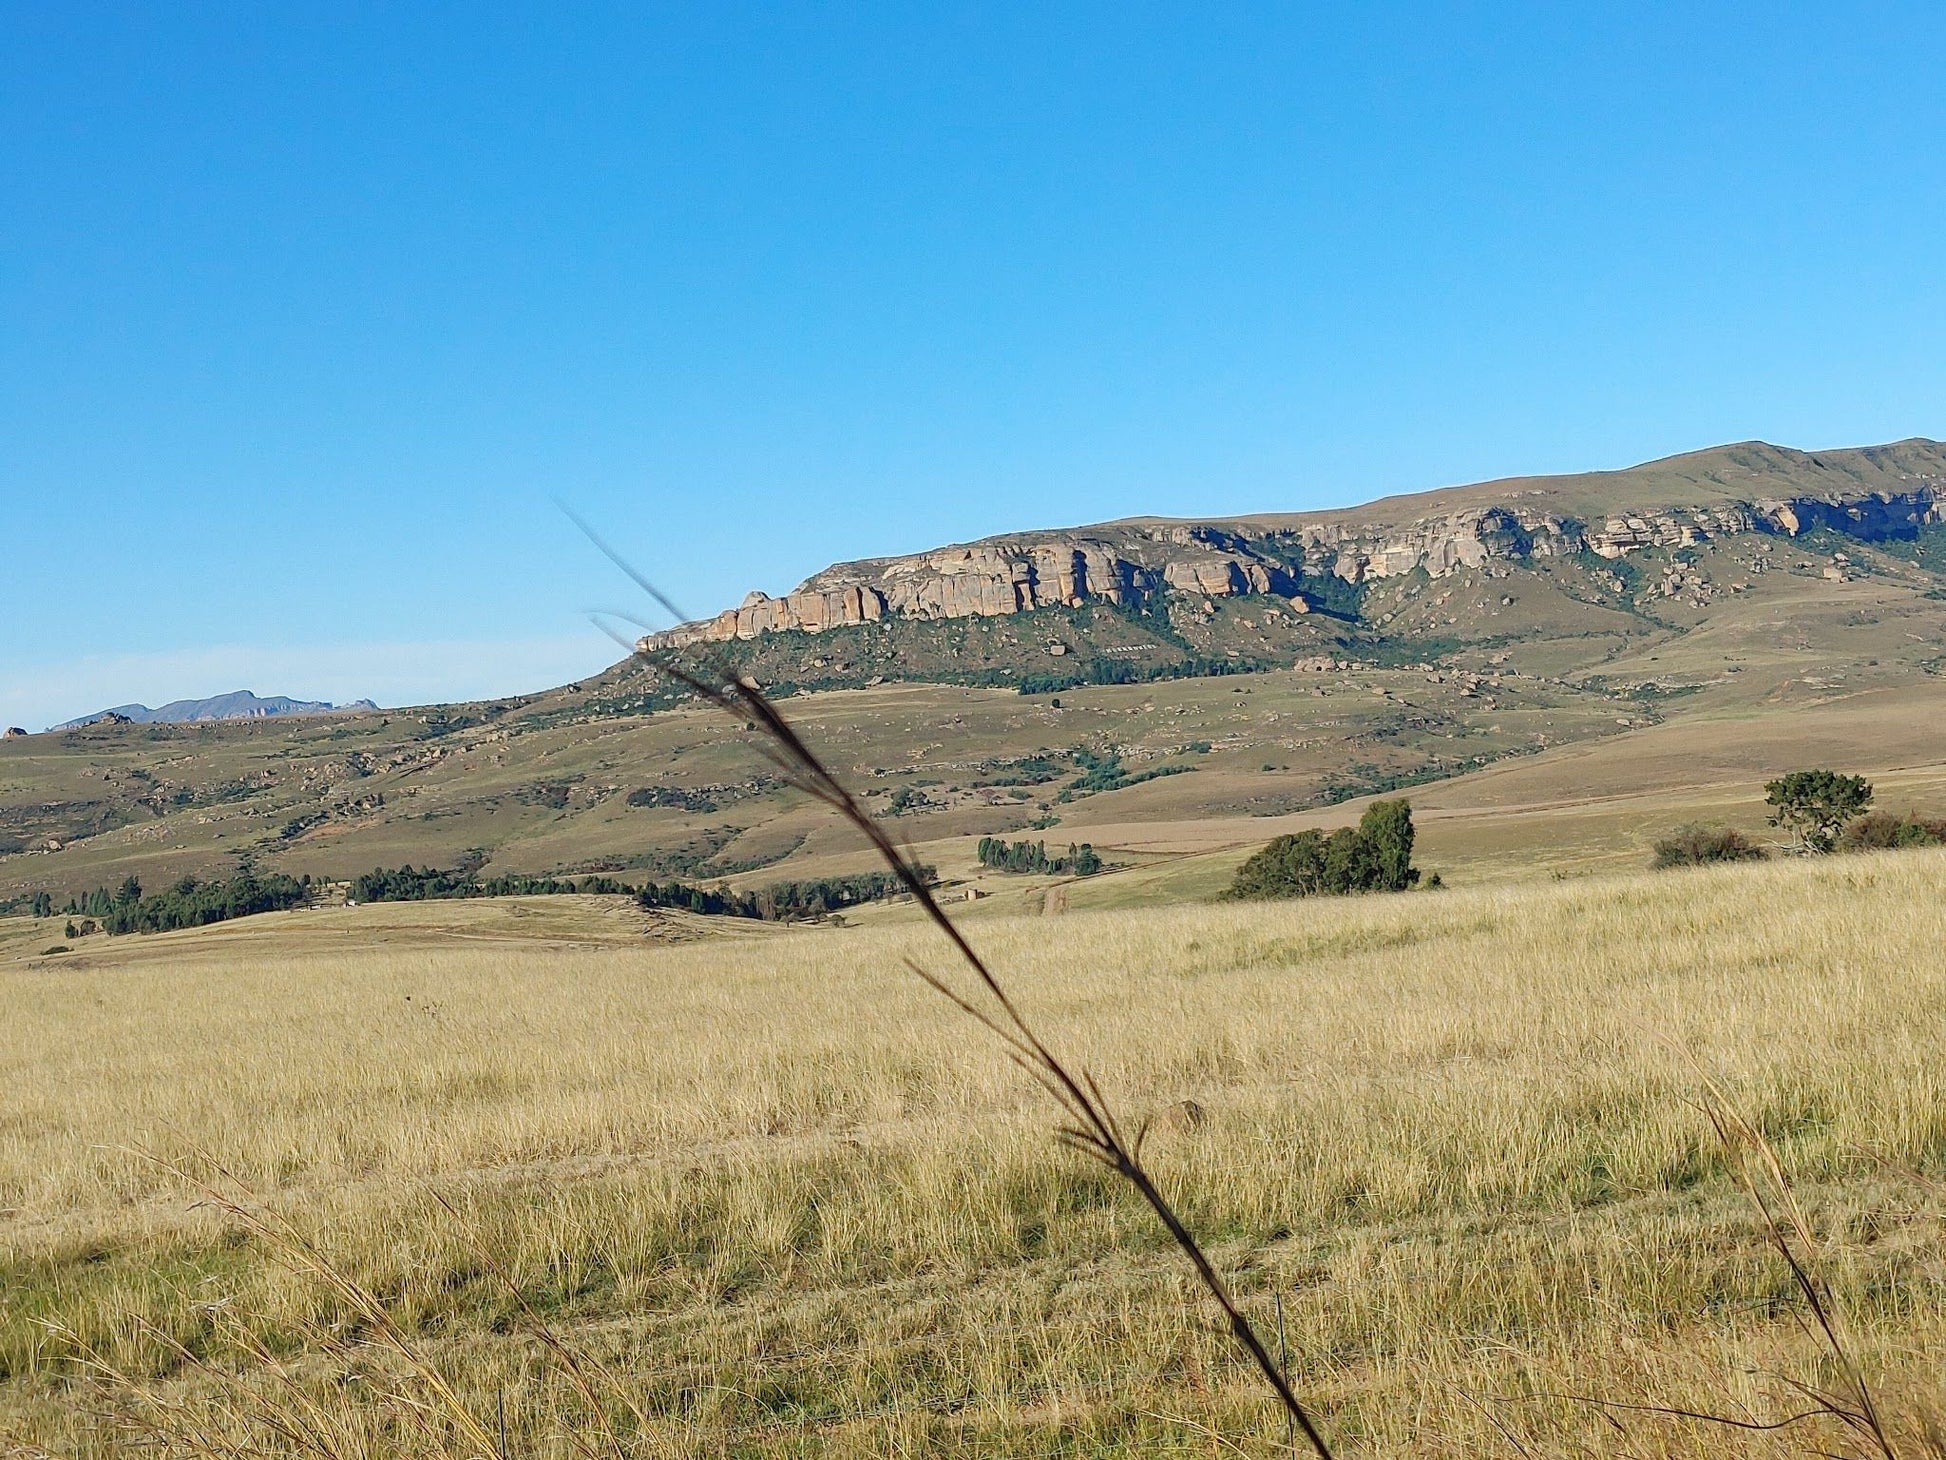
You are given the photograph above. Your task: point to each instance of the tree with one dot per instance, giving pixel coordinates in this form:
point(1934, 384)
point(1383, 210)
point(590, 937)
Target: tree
point(43, 906)
point(1374, 856)
point(1387, 825)
point(1813, 805)
point(1289, 866)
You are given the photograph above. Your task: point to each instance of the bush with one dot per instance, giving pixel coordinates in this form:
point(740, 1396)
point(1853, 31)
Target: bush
point(1376, 856)
point(1695, 845)
point(1881, 831)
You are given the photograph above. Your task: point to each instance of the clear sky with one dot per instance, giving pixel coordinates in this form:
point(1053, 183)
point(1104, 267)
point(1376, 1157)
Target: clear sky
point(308, 311)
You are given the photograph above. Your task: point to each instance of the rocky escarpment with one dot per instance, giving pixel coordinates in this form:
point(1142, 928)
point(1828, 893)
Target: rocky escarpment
point(1133, 563)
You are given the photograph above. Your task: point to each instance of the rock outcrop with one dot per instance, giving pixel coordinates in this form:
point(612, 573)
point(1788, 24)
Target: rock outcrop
point(1129, 564)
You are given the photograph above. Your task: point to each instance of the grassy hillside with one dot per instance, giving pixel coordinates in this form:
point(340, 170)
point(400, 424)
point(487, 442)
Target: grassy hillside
point(1406, 681)
point(794, 1210)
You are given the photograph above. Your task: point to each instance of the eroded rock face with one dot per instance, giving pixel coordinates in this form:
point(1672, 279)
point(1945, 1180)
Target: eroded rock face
point(1127, 565)
point(1677, 527)
point(1868, 515)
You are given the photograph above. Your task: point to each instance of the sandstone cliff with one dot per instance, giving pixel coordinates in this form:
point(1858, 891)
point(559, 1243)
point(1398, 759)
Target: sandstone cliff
point(1867, 494)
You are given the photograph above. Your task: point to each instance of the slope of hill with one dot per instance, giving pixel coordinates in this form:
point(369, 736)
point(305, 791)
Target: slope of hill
point(239, 704)
point(1728, 595)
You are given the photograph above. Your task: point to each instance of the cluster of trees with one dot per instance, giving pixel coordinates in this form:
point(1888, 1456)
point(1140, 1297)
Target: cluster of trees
point(1821, 811)
point(1025, 856)
point(425, 884)
point(1105, 772)
point(1374, 856)
point(1103, 670)
point(715, 901)
point(780, 902)
point(190, 903)
point(101, 902)
point(679, 797)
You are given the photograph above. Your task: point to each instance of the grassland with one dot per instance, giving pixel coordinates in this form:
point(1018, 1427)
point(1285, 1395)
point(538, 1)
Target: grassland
point(776, 1189)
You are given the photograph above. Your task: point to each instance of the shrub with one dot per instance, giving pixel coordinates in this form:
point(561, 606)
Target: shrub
point(1375, 856)
point(1695, 844)
point(1880, 831)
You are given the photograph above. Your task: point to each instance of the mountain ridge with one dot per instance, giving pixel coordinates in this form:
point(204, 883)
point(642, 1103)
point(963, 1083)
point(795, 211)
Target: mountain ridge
point(240, 704)
point(1752, 486)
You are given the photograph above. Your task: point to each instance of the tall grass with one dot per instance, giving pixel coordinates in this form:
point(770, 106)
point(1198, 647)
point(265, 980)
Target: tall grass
point(792, 1210)
point(1090, 1128)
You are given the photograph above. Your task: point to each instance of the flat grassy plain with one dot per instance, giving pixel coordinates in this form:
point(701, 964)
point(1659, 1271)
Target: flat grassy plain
point(793, 1207)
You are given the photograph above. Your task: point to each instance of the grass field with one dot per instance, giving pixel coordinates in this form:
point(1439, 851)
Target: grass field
point(788, 1202)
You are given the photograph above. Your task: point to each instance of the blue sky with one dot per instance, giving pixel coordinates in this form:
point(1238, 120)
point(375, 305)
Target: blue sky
point(308, 312)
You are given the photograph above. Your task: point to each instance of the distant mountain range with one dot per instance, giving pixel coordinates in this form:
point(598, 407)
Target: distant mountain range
point(237, 705)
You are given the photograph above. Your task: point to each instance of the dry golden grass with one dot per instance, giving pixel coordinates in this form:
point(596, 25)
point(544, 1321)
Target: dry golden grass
point(780, 1193)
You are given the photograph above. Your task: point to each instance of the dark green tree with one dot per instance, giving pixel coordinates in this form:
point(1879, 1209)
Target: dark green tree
point(1813, 805)
point(1374, 856)
point(1387, 825)
point(43, 906)
point(1290, 866)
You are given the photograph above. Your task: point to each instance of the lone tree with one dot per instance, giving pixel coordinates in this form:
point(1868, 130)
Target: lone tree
point(1814, 805)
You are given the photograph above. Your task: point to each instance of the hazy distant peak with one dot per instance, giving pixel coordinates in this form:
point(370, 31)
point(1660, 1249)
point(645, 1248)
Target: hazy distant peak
point(237, 705)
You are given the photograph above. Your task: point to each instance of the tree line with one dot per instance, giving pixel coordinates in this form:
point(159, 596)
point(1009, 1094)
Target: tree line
point(780, 902)
point(432, 884)
point(1025, 856)
point(188, 902)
